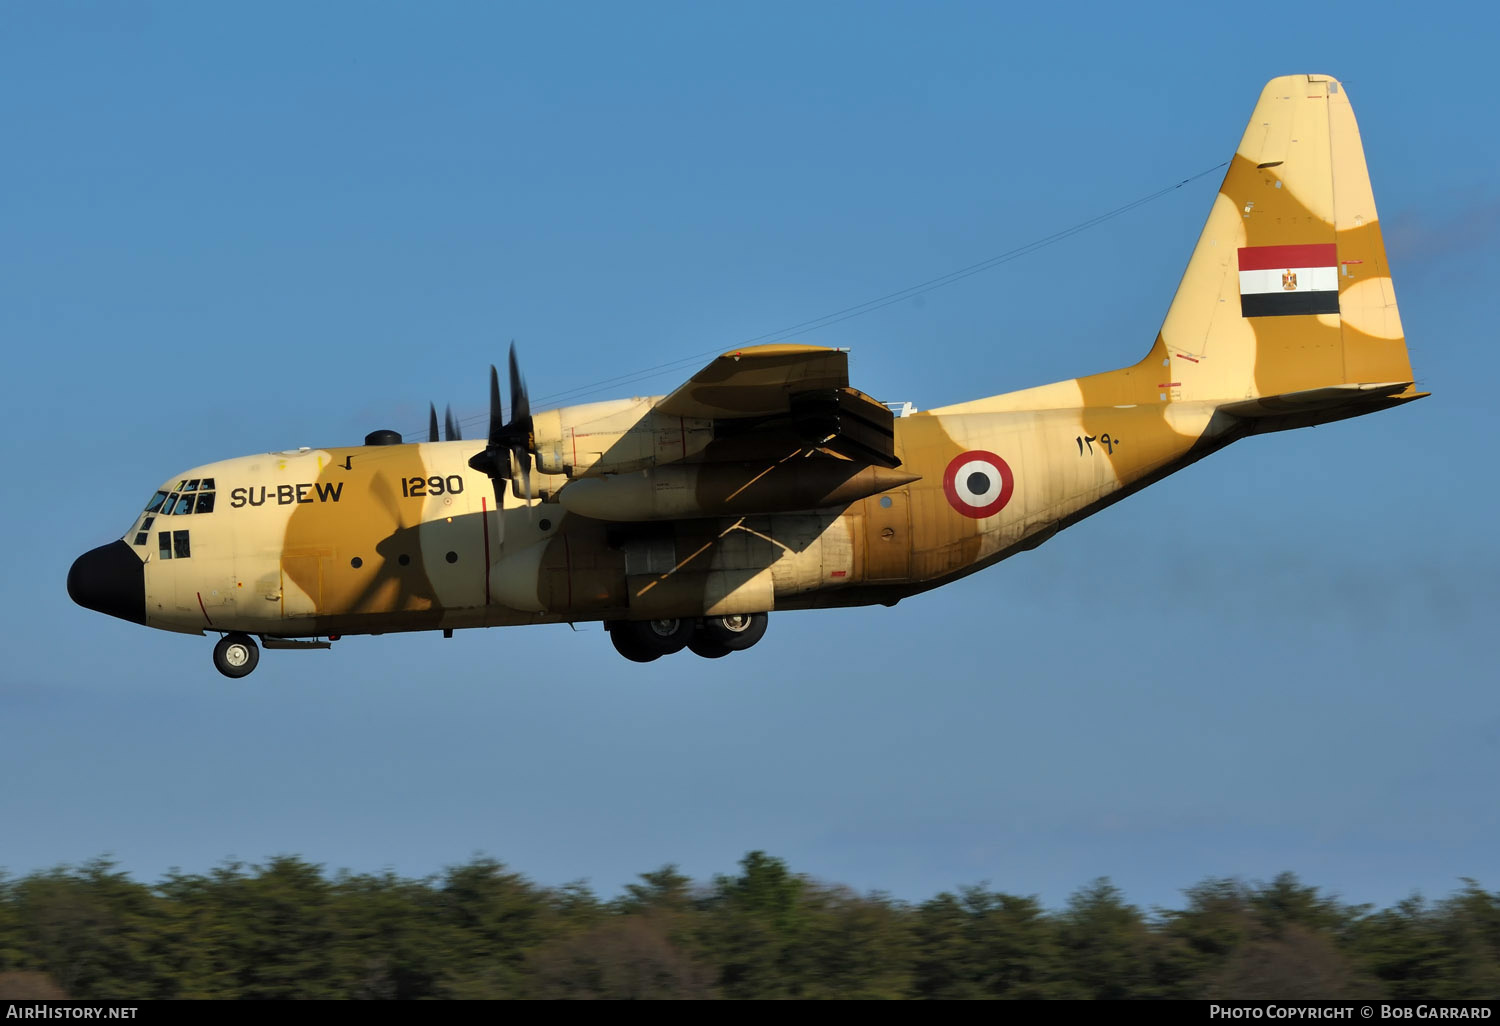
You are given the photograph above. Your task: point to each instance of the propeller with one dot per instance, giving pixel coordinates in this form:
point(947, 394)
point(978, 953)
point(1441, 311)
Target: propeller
point(450, 426)
point(510, 443)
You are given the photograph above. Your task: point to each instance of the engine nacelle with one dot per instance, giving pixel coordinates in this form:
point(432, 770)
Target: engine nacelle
point(614, 437)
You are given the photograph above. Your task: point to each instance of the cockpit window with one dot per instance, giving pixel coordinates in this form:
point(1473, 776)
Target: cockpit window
point(164, 538)
point(195, 496)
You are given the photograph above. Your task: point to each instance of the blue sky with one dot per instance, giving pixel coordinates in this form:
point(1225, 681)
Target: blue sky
point(231, 230)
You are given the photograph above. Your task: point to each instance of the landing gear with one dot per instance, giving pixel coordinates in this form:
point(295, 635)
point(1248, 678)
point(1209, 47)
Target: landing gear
point(708, 648)
point(236, 655)
point(644, 640)
point(712, 637)
point(734, 633)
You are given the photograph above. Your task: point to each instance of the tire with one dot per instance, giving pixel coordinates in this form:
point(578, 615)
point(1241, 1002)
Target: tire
point(236, 655)
point(645, 640)
point(629, 645)
point(736, 632)
point(666, 637)
point(707, 647)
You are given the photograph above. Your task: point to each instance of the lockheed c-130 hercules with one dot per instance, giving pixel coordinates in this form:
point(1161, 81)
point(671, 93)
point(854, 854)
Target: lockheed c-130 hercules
point(766, 482)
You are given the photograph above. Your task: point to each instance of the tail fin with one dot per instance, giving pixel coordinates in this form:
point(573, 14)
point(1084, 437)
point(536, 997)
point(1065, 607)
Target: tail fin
point(1288, 291)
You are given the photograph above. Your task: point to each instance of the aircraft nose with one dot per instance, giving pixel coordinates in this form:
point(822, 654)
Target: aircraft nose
point(110, 579)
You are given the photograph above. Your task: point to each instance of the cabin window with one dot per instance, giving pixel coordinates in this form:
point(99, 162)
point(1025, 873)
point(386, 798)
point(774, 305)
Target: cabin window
point(174, 545)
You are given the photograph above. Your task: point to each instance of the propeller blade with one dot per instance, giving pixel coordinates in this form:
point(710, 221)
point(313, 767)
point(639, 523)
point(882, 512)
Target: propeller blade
point(450, 426)
point(497, 416)
point(523, 460)
point(432, 435)
point(520, 406)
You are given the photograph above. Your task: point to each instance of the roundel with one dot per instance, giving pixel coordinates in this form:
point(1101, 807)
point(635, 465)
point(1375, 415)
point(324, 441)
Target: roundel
point(978, 483)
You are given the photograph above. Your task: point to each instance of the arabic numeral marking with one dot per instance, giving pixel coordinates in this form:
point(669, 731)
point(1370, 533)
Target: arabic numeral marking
point(1103, 438)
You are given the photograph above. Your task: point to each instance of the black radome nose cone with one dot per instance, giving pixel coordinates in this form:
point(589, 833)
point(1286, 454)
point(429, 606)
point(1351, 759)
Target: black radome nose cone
point(110, 579)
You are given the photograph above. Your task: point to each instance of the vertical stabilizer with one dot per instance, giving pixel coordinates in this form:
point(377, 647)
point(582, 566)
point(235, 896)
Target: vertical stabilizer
point(1288, 289)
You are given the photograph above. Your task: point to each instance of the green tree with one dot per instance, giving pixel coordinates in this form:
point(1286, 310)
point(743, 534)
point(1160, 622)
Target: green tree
point(750, 923)
point(270, 933)
point(496, 917)
point(626, 957)
point(1107, 949)
point(93, 930)
point(984, 944)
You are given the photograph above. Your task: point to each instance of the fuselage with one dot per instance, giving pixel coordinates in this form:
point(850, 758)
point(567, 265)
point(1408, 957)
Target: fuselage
point(380, 538)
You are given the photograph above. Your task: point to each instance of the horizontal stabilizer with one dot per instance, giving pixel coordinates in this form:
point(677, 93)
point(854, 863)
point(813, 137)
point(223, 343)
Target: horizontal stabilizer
point(1316, 400)
point(1319, 405)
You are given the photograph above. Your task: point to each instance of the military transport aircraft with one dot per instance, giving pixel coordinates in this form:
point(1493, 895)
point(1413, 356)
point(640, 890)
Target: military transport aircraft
point(766, 482)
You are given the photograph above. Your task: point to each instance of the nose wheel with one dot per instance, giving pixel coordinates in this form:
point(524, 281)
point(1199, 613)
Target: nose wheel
point(236, 655)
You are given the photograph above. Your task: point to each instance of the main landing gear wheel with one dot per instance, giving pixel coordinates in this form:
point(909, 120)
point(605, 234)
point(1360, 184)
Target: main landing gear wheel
point(707, 647)
point(733, 633)
point(628, 645)
point(236, 655)
point(642, 641)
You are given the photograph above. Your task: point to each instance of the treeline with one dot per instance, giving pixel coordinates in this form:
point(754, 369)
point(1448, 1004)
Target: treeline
point(287, 930)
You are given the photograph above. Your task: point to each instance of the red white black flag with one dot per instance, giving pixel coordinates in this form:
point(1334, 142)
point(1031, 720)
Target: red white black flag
point(1279, 280)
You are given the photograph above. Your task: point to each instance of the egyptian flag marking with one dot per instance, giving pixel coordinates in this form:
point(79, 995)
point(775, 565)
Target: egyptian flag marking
point(1276, 281)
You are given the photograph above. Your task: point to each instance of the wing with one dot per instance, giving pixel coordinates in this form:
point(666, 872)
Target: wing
point(764, 398)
